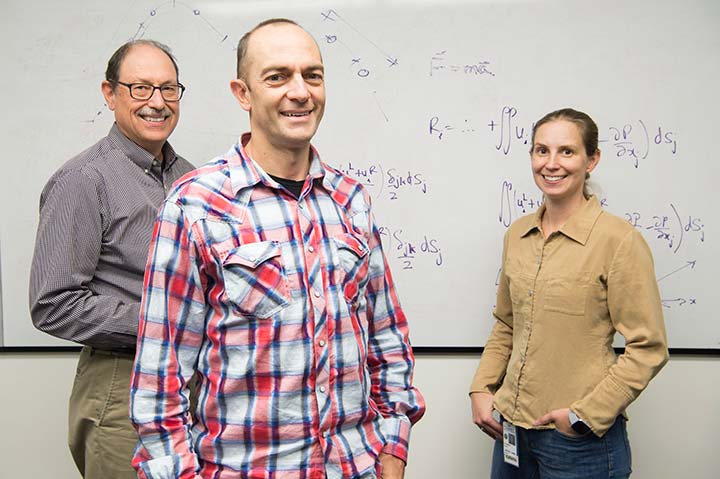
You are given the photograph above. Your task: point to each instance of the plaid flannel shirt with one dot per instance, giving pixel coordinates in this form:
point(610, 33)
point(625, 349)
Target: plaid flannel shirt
point(287, 310)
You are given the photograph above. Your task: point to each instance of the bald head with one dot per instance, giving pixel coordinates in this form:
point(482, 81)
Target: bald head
point(244, 44)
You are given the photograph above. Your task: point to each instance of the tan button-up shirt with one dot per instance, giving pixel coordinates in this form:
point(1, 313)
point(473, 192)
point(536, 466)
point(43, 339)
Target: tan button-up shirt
point(559, 303)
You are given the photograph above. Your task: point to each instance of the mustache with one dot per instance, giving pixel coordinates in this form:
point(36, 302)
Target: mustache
point(147, 110)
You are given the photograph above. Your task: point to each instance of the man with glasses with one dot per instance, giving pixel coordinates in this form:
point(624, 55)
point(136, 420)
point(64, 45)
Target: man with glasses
point(96, 218)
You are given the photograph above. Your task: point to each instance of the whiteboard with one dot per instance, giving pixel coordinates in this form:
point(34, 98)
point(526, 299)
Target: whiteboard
point(430, 104)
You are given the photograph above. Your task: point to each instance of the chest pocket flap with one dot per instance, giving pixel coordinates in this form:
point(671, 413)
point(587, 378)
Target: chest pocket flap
point(352, 258)
point(255, 280)
point(350, 242)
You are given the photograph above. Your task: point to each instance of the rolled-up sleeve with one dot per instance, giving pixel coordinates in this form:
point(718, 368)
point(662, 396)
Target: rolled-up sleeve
point(390, 356)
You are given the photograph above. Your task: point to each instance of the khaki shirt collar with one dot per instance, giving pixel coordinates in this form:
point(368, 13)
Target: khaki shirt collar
point(578, 227)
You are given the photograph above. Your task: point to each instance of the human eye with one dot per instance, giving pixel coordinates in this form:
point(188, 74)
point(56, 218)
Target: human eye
point(275, 78)
point(568, 151)
point(314, 77)
point(539, 150)
point(141, 89)
point(172, 89)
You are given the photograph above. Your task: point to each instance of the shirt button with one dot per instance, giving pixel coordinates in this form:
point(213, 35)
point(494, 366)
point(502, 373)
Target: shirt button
point(317, 294)
point(147, 172)
point(311, 249)
point(321, 343)
point(252, 258)
point(529, 293)
point(322, 389)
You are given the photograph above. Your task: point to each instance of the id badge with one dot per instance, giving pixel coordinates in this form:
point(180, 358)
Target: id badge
point(510, 448)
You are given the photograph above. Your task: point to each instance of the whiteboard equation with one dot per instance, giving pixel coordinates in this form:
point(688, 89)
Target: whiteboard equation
point(669, 227)
point(439, 64)
point(390, 183)
point(514, 203)
point(634, 143)
point(630, 141)
point(409, 251)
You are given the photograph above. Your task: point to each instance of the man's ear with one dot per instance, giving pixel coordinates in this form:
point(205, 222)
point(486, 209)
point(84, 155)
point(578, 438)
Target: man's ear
point(109, 94)
point(241, 91)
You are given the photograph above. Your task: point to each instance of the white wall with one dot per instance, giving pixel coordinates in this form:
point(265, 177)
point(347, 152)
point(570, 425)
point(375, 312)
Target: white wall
point(673, 427)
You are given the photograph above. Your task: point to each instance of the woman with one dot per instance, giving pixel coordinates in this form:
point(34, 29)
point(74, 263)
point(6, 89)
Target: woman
point(572, 276)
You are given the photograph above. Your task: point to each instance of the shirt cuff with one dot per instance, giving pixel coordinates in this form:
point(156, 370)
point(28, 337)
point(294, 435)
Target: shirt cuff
point(397, 437)
point(176, 466)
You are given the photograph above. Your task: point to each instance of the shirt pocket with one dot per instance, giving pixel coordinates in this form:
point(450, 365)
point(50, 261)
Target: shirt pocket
point(567, 294)
point(351, 264)
point(256, 284)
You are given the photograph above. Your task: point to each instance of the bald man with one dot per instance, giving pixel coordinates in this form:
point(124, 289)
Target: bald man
point(268, 278)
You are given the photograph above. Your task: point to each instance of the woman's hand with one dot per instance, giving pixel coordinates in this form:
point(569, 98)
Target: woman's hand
point(560, 418)
point(482, 409)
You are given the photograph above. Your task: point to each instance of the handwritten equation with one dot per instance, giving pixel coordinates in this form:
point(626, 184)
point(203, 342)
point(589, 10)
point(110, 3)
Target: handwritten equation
point(410, 251)
point(391, 182)
point(505, 127)
point(514, 203)
point(633, 141)
point(669, 227)
point(440, 64)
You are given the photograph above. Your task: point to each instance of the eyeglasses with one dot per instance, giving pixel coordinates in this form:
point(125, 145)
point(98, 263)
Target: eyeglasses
point(143, 91)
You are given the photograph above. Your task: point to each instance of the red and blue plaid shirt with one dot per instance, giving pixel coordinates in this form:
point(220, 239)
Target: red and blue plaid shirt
point(287, 310)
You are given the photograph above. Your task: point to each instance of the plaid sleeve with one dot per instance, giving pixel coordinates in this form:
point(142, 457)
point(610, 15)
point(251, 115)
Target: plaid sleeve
point(390, 356)
point(169, 337)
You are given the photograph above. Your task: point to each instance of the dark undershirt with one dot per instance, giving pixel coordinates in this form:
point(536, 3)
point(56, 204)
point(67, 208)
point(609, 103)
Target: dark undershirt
point(293, 186)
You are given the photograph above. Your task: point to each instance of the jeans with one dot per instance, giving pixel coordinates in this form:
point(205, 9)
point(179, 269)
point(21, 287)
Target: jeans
point(549, 454)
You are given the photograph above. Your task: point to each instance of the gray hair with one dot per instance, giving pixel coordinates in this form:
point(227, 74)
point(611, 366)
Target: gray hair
point(113, 67)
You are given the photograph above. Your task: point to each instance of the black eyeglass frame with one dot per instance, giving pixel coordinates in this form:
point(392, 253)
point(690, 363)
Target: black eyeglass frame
point(131, 86)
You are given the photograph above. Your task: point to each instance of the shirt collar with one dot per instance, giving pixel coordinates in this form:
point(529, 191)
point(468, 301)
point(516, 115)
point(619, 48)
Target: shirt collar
point(137, 154)
point(580, 224)
point(245, 172)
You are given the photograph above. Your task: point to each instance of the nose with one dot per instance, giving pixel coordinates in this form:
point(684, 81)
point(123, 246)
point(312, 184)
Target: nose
point(298, 90)
point(156, 100)
point(552, 161)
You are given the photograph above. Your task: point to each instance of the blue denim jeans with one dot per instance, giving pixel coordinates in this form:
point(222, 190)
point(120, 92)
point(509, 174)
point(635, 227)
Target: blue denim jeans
point(549, 454)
